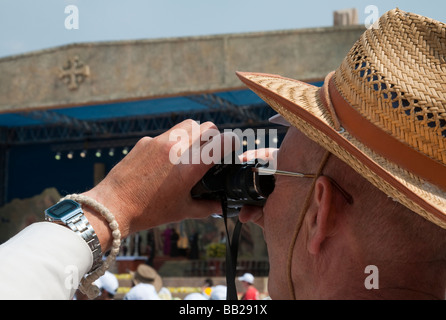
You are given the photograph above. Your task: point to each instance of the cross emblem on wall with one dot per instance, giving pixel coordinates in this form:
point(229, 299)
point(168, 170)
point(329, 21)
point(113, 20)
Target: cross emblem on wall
point(74, 73)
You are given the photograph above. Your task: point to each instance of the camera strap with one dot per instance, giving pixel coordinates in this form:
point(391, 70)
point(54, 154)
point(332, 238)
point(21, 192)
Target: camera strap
point(231, 252)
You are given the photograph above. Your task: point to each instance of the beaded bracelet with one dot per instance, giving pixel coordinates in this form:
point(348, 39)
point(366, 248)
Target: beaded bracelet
point(87, 286)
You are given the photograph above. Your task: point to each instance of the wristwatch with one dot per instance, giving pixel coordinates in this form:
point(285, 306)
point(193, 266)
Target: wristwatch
point(69, 213)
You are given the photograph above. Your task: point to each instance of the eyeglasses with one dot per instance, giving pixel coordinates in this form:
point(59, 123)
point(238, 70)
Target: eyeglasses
point(263, 170)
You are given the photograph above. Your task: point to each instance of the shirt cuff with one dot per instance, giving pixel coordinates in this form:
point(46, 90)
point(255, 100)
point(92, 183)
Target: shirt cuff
point(43, 261)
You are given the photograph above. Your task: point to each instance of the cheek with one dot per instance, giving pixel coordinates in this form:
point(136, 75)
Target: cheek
point(281, 215)
point(280, 218)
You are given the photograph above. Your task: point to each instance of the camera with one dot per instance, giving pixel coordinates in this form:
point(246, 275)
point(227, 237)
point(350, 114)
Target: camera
point(239, 184)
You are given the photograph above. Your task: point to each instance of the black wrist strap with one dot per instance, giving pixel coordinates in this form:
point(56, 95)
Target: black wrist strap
point(231, 252)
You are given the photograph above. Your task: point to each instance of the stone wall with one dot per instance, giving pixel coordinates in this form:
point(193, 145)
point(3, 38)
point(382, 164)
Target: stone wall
point(89, 73)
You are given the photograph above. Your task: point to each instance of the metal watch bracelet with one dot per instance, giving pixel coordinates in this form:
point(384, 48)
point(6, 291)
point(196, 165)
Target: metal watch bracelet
point(80, 225)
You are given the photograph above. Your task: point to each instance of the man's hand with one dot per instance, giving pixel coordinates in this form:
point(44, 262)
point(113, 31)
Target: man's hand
point(147, 189)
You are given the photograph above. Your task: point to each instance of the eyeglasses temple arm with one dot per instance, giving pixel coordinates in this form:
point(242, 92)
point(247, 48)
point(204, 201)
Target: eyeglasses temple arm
point(283, 173)
point(345, 194)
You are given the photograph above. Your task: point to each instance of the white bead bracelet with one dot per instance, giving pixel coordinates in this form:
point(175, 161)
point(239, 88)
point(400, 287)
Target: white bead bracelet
point(87, 286)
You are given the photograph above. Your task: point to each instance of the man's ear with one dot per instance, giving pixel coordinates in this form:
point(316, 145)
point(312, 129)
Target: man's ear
point(321, 221)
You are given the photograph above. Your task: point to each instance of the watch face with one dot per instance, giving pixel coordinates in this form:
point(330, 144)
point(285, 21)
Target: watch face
point(62, 208)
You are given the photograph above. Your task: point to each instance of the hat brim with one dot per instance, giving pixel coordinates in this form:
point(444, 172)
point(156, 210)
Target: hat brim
point(157, 282)
point(301, 105)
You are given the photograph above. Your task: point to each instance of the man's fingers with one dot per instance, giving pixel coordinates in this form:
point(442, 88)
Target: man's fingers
point(265, 154)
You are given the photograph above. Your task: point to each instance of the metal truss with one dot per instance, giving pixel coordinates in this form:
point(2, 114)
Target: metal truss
point(66, 133)
point(215, 102)
point(59, 128)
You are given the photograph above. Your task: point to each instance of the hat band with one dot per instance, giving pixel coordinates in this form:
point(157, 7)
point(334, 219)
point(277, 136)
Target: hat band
point(383, 143)
point(144, 279)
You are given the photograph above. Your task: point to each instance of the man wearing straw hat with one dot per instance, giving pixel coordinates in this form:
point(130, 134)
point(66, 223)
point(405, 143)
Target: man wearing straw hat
point(373, 140)
point(368, 220)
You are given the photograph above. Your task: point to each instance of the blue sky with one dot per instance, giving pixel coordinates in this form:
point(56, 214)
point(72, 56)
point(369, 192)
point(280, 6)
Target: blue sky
point(28, 25)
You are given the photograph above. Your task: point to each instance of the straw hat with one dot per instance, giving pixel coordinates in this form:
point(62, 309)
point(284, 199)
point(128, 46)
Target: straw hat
point(146, 274)
point(383, 111)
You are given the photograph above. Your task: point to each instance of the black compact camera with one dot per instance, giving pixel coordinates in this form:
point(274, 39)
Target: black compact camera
point(239, 184)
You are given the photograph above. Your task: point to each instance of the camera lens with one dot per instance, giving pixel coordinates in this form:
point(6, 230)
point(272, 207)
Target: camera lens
point(264, 184)
point(244, 184)
point(237, 183)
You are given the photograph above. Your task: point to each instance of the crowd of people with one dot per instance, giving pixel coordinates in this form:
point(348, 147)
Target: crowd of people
point(147, 284)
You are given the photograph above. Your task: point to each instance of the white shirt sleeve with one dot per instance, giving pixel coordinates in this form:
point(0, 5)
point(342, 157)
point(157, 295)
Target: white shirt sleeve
point(43, 261)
